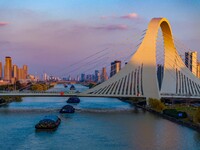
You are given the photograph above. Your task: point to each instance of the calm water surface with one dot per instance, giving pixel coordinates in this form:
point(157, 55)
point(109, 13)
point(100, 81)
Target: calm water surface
point(99, 123)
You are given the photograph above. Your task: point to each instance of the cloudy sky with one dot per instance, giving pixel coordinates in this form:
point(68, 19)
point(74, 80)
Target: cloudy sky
point(48, 35)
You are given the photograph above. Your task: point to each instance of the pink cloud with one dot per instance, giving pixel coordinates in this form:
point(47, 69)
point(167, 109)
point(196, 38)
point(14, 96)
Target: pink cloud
point(112, 27)
point(130, 16)
point(3, 23)
point(104, 17)
point(107, 17)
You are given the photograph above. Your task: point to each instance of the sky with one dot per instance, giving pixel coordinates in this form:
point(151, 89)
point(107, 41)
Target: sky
point(49, 35)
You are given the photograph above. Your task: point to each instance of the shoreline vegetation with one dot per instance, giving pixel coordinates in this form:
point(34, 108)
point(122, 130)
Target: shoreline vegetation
point(4, 100)
point(36, 87)
point(40, 87)
point(182, 114)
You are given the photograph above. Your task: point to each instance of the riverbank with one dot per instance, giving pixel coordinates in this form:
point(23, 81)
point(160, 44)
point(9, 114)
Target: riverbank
point(4, 100)
point(183, 122)
point(114, 125)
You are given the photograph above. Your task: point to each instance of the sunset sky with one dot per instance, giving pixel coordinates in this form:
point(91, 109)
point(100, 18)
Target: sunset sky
point(48, 35)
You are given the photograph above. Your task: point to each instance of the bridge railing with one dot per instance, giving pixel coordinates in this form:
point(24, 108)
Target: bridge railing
point(40, 92)
point(184, 95)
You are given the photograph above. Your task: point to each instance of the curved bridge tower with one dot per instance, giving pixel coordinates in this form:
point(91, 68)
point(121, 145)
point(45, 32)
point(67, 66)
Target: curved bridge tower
point(139, 77)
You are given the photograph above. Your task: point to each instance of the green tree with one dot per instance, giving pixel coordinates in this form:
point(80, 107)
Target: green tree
point(10, 88)
point(196, 117)
point(18, 85)
point(39, 87)
point(156, 104)
point(44, 86)
point(91, 85)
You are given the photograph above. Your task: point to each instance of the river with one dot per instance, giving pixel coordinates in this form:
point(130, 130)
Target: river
point(97, 124)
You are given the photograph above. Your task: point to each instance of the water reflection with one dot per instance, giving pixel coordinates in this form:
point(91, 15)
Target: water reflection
point(197, 137)
point(98, 123)
point(135, 110)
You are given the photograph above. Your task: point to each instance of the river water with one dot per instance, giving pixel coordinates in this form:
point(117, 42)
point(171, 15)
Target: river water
point(97, 124)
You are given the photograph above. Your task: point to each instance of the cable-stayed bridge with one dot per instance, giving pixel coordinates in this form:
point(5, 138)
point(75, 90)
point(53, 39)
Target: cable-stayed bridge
point(139, 77)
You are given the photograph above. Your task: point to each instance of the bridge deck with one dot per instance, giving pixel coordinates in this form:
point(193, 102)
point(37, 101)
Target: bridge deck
point(59, 94)
point(68, 94)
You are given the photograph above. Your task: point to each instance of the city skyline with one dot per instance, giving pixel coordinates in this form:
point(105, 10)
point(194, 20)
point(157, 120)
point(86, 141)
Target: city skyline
point(11, 72)
point(60, 33)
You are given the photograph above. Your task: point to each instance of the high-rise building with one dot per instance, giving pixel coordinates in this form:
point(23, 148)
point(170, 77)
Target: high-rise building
point(77, 78)
point(82, 77)
point(15, 72)
point(1, 70)
point(89, 77)
point(21, 74)
point(45, 76)
point(69, 78)
point(198, 70)
point(25, 67)
point(115, 67)
point(8, 68)
point(191, 61)
point(97, 76)
point(104, 75)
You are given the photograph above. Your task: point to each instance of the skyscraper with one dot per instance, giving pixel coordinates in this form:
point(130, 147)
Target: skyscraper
point(89, 77)
point(104, 75)
point(198, 70)
point(78, 78)
point(21, 74)
point(45, 76)
point(8, 68)
point(15, 72)
point(25, 67)
point(97, 76)
point(115, 67)
point(0, 70)
point(82, 77)
point(191, 61)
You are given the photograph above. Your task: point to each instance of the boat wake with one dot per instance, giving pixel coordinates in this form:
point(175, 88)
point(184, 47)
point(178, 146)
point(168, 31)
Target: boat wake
point(86, 110)
point(56, 110)
point(38, 110)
